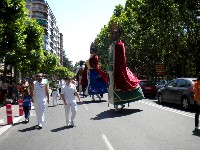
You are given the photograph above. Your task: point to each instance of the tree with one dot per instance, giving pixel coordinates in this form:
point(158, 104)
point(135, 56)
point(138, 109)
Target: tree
point(12, 16)
point(165, 31)
point(32, 57)
point(62, 72)
point(67, 63)
point(50, 63)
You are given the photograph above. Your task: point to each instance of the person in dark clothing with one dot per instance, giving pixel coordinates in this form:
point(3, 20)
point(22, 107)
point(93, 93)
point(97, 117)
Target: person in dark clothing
point(197, 101)
point(26, 105)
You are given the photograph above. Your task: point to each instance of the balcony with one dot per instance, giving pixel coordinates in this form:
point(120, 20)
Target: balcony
point(39, 2)
point(38, 9)
point(40, 17)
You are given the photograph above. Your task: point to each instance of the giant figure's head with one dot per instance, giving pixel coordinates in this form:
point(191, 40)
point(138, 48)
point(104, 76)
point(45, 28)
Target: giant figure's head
point(115, 32)
point(93, 48)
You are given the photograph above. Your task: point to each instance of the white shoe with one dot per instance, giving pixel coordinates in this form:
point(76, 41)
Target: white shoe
point(40, 126)
point(72, 124)
point(68, 124)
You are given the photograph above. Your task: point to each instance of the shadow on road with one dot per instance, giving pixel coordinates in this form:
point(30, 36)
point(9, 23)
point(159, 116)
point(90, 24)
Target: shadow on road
point(112, 113)
point(18, 123)
point(196, 133)
point(52, 106)
point(60, 129)
point(96, 101)
point(28, 129)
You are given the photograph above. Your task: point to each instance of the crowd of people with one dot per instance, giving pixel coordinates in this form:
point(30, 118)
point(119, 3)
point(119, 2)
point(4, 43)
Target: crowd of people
point(12, 91)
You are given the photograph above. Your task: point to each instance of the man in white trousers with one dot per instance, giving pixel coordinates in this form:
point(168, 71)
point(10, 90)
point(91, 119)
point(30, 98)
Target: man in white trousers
point(39, 95)
point(68, 93)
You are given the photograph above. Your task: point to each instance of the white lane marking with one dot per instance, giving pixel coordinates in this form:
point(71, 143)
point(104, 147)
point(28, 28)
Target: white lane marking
point(1, 120)
point(168, 109)
point(109, 146)
point(85, 107)
point(5, 128)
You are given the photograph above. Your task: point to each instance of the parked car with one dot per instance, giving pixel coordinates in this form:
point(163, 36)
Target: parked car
point(179, 91)
point(148, 88)
point(161, 84)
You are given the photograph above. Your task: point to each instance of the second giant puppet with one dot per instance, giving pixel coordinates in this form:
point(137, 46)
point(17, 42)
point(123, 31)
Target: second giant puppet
point(124, 85)
point(97, 79)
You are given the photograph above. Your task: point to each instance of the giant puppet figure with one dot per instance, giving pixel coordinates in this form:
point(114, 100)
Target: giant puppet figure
point(124, 85)
point(97, 80)
point(79, 74)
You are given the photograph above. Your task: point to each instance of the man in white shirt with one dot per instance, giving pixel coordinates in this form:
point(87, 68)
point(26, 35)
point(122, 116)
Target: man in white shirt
point(68, 93)
point(39, 96)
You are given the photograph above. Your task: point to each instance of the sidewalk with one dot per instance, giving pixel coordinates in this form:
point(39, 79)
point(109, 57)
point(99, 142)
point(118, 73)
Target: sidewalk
point(3, 115)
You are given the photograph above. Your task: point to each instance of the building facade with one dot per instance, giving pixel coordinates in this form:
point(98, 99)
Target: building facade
point(53, 39)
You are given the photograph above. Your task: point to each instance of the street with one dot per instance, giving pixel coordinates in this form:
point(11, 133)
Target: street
point(141, 126)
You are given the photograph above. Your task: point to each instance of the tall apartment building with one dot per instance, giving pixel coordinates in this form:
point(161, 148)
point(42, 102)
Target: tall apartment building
point(41, 11)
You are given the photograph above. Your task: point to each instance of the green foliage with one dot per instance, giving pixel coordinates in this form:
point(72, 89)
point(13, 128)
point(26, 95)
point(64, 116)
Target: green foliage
point(12, 16)
point(62, 72)
point(50, 63)
point(32, 58)
point(68, 64)
point(164, 31)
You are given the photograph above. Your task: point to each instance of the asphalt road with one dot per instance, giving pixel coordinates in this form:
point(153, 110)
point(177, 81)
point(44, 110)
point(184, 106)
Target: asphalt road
point(144, 125)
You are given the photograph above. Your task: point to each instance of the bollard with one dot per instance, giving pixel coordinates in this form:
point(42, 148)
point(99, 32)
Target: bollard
point(9, 114)
point(21, 112)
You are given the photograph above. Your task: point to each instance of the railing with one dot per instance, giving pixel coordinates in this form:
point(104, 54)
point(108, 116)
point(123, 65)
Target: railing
point(41, 10)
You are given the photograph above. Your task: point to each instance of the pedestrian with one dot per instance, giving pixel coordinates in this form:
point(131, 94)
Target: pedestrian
point(123, 84)
point(84, 81)
point(54, 93)
point(39, 96)
point(79, 74)
point(59, 88)
point(15, 92)
point(26, 104)
point(68, 93)
point(4, 88)
point(197, 101)
point(20, 89)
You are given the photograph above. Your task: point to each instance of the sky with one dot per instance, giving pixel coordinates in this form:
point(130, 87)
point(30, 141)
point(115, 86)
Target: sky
point(81, 21)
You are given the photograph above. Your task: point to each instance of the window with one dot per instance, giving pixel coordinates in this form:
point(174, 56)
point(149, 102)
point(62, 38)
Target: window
point(28, 6)
point(40, 7)
point(172, 84)
point(182, 83)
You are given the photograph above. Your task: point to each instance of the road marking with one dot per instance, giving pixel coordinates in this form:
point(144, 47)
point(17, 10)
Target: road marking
point(5, 128)
point(85, 107)
point(109, 146)
point(167, 109)
point(1, 120)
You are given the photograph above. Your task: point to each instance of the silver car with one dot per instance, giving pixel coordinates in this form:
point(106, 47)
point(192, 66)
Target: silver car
point(161, 84)
point(179, 91)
